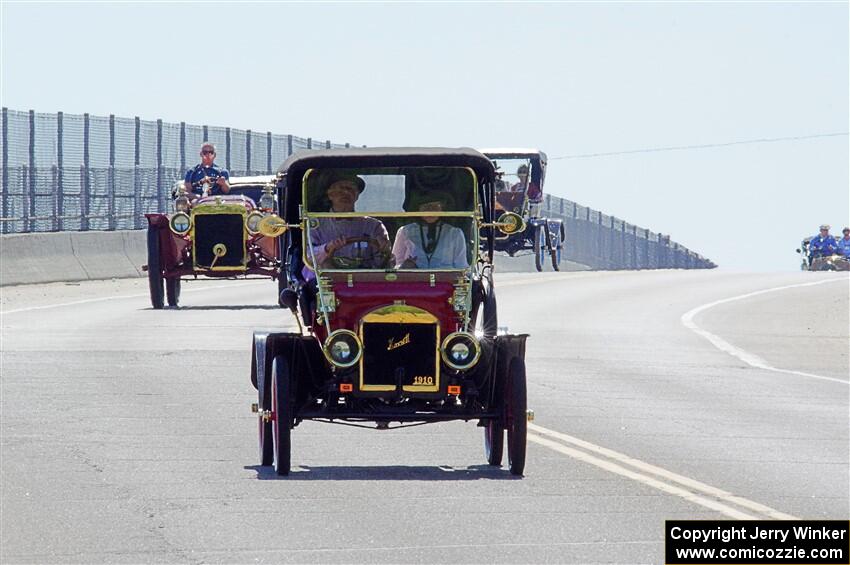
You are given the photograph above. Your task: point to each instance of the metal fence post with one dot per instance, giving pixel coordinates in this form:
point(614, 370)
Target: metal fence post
point(206, 131)
point(85, 200)
point(54, 179)
point(635, 259)
point(137, 178)
point(182, 147)
point(248, 152)
point(268, 152)
point(227, 148)
point(59, 222)
point(328, 144)
point(5, 134)
point(30, 206)
point(160, 174)
point(110, 187)
point(288, 145)
point(347, 145)
point(623, 256)
point(309, 143)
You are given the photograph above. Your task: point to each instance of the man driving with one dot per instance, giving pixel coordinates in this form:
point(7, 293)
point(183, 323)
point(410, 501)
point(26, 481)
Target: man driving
point(357, 242)
point(206, 178)
point(431, 242)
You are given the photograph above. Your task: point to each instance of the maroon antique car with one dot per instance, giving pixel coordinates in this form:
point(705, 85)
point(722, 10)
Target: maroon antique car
point(388, 256)
point(212, 236)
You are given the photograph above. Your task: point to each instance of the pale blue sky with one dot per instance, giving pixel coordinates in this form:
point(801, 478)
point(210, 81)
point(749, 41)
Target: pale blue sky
point(571, 78)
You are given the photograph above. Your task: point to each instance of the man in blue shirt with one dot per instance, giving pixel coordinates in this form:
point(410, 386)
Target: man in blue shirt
point(843, 244)
point(823, 244)
point(206, 178)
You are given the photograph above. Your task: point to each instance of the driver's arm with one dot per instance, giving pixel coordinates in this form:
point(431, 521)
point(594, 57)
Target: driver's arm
point(223, 184)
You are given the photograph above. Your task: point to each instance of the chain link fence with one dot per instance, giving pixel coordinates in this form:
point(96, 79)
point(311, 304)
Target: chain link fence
point(70, 172)
point(605, 242)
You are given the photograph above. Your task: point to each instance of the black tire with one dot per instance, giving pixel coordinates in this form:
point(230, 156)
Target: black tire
point(494, 442)
point(282, 414)
point(154, 270)
point(265, 428)
point(281, 286)
point(172, 291)
point(516, 421)
point(556, 242)
point(539, 246)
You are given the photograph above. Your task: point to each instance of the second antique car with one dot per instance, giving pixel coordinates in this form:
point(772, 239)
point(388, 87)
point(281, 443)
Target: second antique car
point(212, 236)
point(388, 258)
point(543, 236)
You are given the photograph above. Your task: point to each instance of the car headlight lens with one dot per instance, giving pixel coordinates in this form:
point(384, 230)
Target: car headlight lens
point(252, 222)
point(342, 348)
point(459, 353)
point(461, 350)
point(180, 223)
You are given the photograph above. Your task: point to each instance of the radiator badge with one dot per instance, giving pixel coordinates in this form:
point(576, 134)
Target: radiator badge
point(396, 344)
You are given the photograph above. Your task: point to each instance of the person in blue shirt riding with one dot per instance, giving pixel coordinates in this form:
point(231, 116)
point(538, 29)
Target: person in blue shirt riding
point(823, 244)
point(843, 244)
point(206, 178)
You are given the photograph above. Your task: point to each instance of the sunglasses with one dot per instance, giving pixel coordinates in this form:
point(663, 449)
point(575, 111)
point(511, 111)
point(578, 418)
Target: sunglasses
point(207, 152)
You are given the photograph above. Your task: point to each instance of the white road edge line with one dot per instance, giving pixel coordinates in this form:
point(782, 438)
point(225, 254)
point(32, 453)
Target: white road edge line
point(745, 356)
point(104, 298)
point(723, 498)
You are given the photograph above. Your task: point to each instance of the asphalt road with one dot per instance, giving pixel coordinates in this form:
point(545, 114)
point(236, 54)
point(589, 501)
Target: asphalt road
point(126, 434)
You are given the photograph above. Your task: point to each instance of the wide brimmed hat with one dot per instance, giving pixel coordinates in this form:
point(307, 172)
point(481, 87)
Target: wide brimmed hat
point(327, 178)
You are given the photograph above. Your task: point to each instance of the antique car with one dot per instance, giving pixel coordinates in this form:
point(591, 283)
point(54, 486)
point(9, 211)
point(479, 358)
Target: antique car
point(519, 189)
point(388, 260)
point(212, 236)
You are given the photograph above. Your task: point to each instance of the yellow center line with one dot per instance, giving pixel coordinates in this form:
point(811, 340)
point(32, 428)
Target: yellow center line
point(653, 476)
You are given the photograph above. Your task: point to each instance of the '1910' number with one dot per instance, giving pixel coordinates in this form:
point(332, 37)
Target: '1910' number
point(420, 380)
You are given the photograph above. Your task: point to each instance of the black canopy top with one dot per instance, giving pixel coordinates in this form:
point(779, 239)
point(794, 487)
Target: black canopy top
point(296, 165)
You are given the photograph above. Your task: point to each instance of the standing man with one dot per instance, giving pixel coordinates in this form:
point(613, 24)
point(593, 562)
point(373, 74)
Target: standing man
point(823, 244)
point(206, 178)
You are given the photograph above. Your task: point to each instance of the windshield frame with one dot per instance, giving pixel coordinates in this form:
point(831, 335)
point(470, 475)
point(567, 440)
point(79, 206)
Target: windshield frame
point(474, 215)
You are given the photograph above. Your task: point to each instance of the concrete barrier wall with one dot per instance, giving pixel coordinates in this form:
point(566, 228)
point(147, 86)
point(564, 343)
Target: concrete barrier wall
point(71, 256)
point(77, 256)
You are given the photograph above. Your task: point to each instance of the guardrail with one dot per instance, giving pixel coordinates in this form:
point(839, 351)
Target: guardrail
point(69, 172)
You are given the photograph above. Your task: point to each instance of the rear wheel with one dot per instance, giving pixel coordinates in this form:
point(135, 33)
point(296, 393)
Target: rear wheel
point(172, 291)
point(282, 414)
point(516, 420)
point(154, 269)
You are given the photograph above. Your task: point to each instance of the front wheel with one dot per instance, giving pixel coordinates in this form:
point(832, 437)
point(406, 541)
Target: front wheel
point(539, 246)
point(154, 269)
point(517, 419)
point(556, 241)
point(172, 291)
point(282, 400)
point(494, 442)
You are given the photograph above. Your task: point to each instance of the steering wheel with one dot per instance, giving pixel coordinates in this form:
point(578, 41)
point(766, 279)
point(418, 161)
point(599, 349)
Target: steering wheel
point(208, 186)
point(371, 257)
